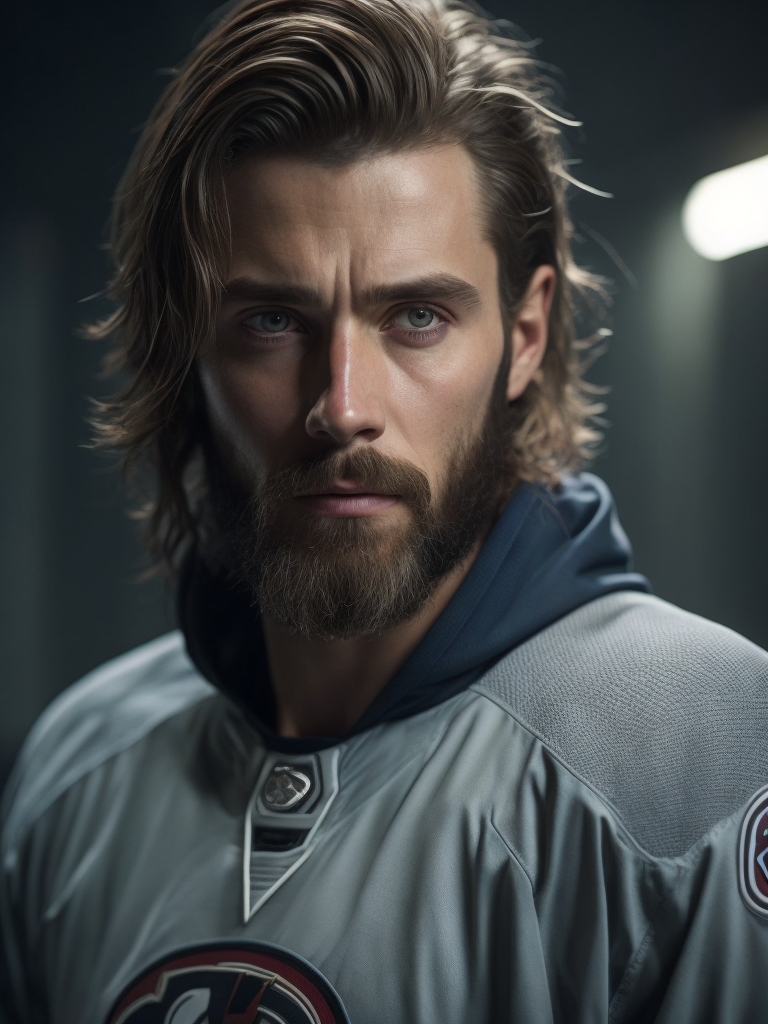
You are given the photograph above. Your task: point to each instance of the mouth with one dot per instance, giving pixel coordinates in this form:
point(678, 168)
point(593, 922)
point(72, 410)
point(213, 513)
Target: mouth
point(345, 498)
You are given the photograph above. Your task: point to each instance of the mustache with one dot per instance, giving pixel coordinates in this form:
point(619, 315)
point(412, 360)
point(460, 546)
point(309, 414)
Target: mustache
point(367, 467)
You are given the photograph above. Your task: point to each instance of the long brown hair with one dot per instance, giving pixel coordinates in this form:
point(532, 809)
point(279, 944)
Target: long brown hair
point(334, 79)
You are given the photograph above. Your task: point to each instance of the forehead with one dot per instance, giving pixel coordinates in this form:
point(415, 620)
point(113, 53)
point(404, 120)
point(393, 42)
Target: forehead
point(381, 217)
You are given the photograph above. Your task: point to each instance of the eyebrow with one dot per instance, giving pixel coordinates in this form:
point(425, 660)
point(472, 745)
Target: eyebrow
point(436, 287)
point(440, 287)
point(246, 289)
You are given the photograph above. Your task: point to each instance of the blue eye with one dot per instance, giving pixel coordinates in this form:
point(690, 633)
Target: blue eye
point(271, 322)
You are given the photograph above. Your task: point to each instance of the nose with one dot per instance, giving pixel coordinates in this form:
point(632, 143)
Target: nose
point(350, 406)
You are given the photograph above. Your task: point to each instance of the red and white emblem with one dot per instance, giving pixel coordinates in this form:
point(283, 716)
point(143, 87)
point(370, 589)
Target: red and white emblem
point(229, 983)
point(753, 854)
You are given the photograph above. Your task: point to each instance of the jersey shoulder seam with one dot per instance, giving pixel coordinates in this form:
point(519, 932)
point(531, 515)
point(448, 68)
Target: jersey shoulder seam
point(624, 692)
point(614, 812)
point(80, 735)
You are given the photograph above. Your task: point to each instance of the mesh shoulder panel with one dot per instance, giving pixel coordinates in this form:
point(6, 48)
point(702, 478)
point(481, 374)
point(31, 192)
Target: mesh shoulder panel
point(663, 712)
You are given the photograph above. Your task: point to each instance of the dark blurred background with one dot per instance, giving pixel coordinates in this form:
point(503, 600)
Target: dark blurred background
point(669, 90)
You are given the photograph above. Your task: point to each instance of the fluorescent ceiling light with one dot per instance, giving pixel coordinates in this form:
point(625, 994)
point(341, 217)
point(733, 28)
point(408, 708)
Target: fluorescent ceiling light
point(727, 213)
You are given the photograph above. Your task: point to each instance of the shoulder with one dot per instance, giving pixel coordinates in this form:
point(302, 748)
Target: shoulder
point(106, 712)
point(661, 711)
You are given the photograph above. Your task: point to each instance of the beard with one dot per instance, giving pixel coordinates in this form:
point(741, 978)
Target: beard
point(337, 578)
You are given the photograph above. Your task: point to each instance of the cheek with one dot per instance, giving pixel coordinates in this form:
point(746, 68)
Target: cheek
point(460, 381)
point(250, 413)
point(446, 398)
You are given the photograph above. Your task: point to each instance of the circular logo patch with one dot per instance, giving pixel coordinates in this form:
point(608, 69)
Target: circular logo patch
point(753, 854)
point(224, 983)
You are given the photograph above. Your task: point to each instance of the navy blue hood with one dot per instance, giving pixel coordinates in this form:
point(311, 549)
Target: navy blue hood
point(551, 551)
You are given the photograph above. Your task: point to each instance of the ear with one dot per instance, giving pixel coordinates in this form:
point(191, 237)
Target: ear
point(530, 329)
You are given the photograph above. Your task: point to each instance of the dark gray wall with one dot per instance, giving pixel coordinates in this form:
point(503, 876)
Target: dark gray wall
point(668, 92)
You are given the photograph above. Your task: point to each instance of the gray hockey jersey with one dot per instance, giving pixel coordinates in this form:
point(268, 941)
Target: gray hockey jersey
point(578, 837)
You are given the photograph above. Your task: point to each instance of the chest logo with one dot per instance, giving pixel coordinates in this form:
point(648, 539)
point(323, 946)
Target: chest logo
point(286, 787)
point(753, 854)
point(222, 983)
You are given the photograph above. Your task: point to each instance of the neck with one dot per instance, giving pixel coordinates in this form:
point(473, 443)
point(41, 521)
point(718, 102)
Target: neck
point(322, 687)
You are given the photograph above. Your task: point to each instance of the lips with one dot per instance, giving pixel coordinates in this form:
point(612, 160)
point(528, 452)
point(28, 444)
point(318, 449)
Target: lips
point(342, 487)
point(358, 482)
point(346, 498)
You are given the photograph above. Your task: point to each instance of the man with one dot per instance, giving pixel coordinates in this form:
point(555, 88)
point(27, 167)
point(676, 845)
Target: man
point(425, 750)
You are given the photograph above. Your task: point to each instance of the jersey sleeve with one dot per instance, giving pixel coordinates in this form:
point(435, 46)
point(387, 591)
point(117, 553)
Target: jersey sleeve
point(708, 960)
point(105, 713)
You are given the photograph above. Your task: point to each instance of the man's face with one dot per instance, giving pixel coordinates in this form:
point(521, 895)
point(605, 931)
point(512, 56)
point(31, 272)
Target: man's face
point(357, 350)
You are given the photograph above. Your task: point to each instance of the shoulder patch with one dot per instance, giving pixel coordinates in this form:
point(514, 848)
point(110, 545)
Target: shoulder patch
point(753, 855)
point(662, 712)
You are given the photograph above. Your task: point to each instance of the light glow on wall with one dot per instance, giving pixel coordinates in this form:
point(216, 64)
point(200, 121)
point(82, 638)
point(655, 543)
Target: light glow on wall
point(727, 213)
